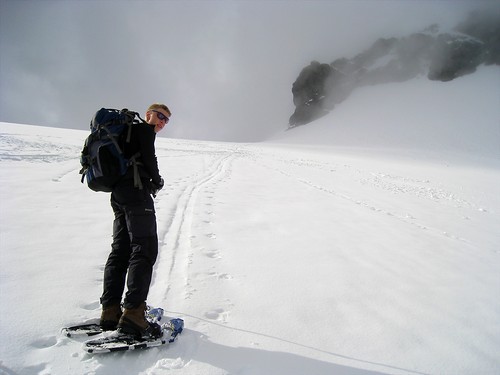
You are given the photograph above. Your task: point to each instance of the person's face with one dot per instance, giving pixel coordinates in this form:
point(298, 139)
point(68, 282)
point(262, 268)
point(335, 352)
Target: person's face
point(157, 117)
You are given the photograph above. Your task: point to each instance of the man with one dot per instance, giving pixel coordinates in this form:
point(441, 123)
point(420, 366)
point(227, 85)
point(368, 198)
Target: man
point(135, 241)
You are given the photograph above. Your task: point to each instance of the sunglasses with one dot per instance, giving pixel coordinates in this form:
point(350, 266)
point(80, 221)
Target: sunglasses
point(161, 116)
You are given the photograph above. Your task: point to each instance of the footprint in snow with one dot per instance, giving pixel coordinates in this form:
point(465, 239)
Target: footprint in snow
point(220, 276)
point(170, 364)
point(212, 253)
point(44, 342)
point(91, 306)
point(217, 314)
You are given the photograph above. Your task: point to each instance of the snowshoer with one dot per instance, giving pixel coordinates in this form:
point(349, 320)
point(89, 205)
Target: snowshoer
point(135, 241)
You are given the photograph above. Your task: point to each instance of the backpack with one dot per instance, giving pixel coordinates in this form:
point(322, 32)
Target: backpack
point(102, 159)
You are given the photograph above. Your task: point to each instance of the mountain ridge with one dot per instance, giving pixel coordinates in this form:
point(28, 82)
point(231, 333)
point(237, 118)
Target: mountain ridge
point(441, 56)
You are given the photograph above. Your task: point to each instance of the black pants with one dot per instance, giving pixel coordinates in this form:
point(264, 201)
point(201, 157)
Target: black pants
point(134, 248)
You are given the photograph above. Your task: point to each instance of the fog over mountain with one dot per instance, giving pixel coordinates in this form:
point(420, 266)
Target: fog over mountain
point(440, 55)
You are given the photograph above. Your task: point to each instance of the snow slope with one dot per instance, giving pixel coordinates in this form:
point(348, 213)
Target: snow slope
point(460, 116)
point(283, 258)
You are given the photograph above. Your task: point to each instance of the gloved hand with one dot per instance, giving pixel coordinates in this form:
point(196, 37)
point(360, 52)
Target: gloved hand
point(155, 188)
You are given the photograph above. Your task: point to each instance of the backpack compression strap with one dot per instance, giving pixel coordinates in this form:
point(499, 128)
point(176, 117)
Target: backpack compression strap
point(134, 163)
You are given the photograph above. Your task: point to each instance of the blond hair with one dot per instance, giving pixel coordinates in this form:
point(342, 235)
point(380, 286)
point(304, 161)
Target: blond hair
point(159, 106)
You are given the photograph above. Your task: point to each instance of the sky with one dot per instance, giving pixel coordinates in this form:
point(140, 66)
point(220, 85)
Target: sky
point(224, 68)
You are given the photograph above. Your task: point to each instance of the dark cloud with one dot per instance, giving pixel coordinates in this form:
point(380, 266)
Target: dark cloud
point(224, 67)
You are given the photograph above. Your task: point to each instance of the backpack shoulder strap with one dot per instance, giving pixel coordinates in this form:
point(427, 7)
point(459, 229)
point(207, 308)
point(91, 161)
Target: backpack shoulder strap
point(131, 120)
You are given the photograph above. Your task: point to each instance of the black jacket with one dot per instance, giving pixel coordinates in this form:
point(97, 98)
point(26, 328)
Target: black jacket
point(142, 141)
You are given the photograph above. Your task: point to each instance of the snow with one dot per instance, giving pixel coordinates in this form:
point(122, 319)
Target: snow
point(307, 254)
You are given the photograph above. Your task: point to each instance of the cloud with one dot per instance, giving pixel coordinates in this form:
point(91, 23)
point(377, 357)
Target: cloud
point(225, 68)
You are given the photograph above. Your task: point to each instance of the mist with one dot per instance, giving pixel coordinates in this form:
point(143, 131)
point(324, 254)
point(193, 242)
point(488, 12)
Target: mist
point(224, 68)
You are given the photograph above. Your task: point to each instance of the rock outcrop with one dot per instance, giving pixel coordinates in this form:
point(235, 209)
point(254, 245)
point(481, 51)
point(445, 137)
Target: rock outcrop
point(440, 56)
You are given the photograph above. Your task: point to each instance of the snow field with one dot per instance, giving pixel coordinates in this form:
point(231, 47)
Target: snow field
point(351, 246)
point(281, 259)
